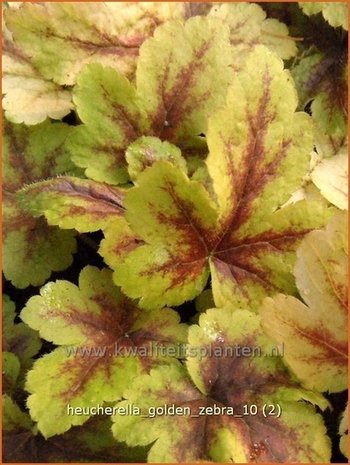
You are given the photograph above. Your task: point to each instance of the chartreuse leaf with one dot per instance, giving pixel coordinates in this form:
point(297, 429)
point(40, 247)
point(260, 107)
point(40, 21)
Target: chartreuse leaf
point(176, 90)
point(70, 202)
point(176, 223)
point(29, 97)
point(249, 27)
point(335, 13)
point(224, 382)
point(147, 150)
point(315, 335)
point(331, 177)
point(119, 240)
point(343, 432)
point(18, 339)
point(258, 157)
point(32, 249)
point(106, 104)
point(93, 323)
point(109, 33)
point(180, 87)
point(176, 438)
point(263, 147)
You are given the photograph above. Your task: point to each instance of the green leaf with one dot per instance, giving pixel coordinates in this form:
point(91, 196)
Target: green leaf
point(322, 77)
point(307, 74)
point(29, 97)
point(32, 250)
point(106, 104)
point(92, 323)
point(10, 371)
point(109, 33)
point(13, 417)
point(170, 102)
point(335, 13)
point(315, 338)
point(70, 202)
point(331, 177)
point(147, 150)
point(176, 214)
point(18, 339)
point(259, 155)
point(226, 381)
point(249, 27)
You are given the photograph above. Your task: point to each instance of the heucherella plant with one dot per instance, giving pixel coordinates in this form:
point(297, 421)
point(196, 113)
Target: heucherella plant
point(175, 232)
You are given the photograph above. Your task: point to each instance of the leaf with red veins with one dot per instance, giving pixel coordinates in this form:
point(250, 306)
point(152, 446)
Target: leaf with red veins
point(259, 154)
point(315, 335)
point(224, 384)
point(176, 220)
point(105, 340)
point(176, 90)
point(32, 249)
point(108, 33)
point(258, 157)
point(73, 203)
point(180, 86)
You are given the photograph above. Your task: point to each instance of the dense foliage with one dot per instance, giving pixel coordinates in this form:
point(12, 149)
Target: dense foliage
point(174, 186)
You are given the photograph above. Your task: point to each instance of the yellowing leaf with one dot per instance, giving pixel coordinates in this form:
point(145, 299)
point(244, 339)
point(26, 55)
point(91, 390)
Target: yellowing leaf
point(93, 323)
point(315, 335)
point(106, 33)
point(336, 13)
point(32, 250)
point(331, 177)
point(29, 97)
point(249, 27)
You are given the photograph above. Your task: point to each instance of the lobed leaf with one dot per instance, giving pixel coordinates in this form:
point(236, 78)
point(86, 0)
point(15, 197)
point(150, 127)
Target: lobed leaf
point(335, 13)
point(331, 177)
point(178, 95)
point(315, 335)
point(90, 322)
point(249, 28)
point(18, 339)
point(259, 155)
point(13, 417)
point(32, 250)
point(108, 33)
point(225, 381)
point(176, 219)
point(29, 97)
point(170, 102)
